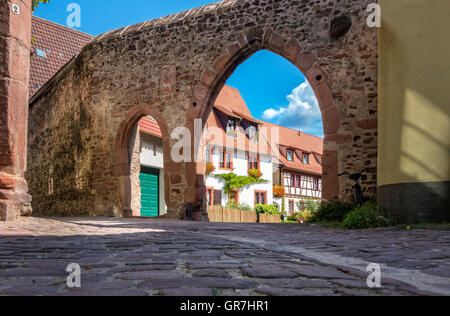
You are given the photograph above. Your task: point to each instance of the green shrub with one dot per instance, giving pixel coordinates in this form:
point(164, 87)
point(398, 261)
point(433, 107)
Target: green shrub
point(309, 204)
point(304, 216)
point(298, 217)
point(267, 209)
point(332, 211)
point(293, 217)
point(366, 216)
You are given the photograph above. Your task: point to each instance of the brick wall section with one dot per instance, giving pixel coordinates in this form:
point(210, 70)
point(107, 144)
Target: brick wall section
point(15, 41)
point(172, 68)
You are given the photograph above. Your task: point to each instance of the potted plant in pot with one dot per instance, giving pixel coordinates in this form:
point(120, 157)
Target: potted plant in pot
point(209, 168)
point(284, 216)
point(279, 191)
point(255, 173)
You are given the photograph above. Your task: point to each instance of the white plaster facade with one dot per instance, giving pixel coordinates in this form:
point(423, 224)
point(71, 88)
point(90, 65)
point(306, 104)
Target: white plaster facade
point(240, 167)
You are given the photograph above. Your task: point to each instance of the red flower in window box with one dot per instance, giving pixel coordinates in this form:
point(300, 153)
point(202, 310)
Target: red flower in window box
point(209, 168)
point(279, 191)
point(255, 173)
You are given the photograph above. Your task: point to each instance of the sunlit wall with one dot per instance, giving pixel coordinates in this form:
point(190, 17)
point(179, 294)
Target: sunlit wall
point(414, 109)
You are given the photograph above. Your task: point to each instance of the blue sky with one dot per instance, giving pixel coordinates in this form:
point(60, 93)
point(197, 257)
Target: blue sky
point(272, 87)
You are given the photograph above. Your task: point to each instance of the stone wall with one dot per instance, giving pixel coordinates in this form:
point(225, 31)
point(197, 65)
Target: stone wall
point(135, 170)
point(172, 68)
point(15, 40)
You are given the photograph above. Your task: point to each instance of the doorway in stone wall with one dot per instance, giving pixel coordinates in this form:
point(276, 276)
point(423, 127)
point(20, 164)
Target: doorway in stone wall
point(140, 166)
point(147, 169)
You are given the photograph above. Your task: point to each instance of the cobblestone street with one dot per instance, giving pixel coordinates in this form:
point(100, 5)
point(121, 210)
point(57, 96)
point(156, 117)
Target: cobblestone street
point(161, 257)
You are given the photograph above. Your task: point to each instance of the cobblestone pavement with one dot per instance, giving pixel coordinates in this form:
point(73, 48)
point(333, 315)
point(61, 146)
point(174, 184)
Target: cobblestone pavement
point(161, 257)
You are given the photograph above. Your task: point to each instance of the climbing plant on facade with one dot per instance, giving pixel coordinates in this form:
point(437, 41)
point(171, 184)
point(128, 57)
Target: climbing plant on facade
point(234, 182)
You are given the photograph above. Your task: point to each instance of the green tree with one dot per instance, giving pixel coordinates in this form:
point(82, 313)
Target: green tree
point(36, 3)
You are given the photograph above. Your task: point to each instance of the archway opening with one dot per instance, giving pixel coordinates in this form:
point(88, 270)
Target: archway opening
point(140, 163)
point(265, 120)
point(147, 169)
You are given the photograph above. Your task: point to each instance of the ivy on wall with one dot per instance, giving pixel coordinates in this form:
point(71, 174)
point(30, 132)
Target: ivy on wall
point(235, 182)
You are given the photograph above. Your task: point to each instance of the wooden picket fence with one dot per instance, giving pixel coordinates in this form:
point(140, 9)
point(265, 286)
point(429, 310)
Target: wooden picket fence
point(219, 214)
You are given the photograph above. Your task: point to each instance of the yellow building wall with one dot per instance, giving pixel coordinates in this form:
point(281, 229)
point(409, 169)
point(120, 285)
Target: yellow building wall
point(414, 91)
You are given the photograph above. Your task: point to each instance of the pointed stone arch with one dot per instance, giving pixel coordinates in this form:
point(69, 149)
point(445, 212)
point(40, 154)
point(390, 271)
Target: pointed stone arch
point(256, 39)
point(122, 157)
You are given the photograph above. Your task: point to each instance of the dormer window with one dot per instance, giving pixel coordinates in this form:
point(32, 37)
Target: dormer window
point(253, 134)
point(231, 128)
point(290, 155)
point(306, 159)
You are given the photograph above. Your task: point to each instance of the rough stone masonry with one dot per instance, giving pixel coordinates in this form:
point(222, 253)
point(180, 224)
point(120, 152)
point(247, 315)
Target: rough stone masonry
point(172, 68)
point(15, 41)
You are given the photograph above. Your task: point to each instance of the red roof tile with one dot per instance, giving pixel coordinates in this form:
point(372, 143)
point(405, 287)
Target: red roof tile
point(296, 139)
point(231, 99)
point(148, 125)
point(59, 43)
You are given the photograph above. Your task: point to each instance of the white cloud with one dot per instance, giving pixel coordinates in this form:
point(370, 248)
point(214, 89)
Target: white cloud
point(302, 112)
point(270, 114)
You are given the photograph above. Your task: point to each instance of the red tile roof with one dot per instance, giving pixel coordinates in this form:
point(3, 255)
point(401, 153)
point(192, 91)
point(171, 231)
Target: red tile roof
point(231, 99)
point(59, 43)
point(296, 139)
point(148, 125)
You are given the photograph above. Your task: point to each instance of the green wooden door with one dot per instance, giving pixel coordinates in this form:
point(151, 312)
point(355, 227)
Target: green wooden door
point(149, 191)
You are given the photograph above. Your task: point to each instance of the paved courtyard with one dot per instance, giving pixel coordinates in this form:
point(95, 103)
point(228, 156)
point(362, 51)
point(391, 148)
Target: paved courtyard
point(162, 257)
